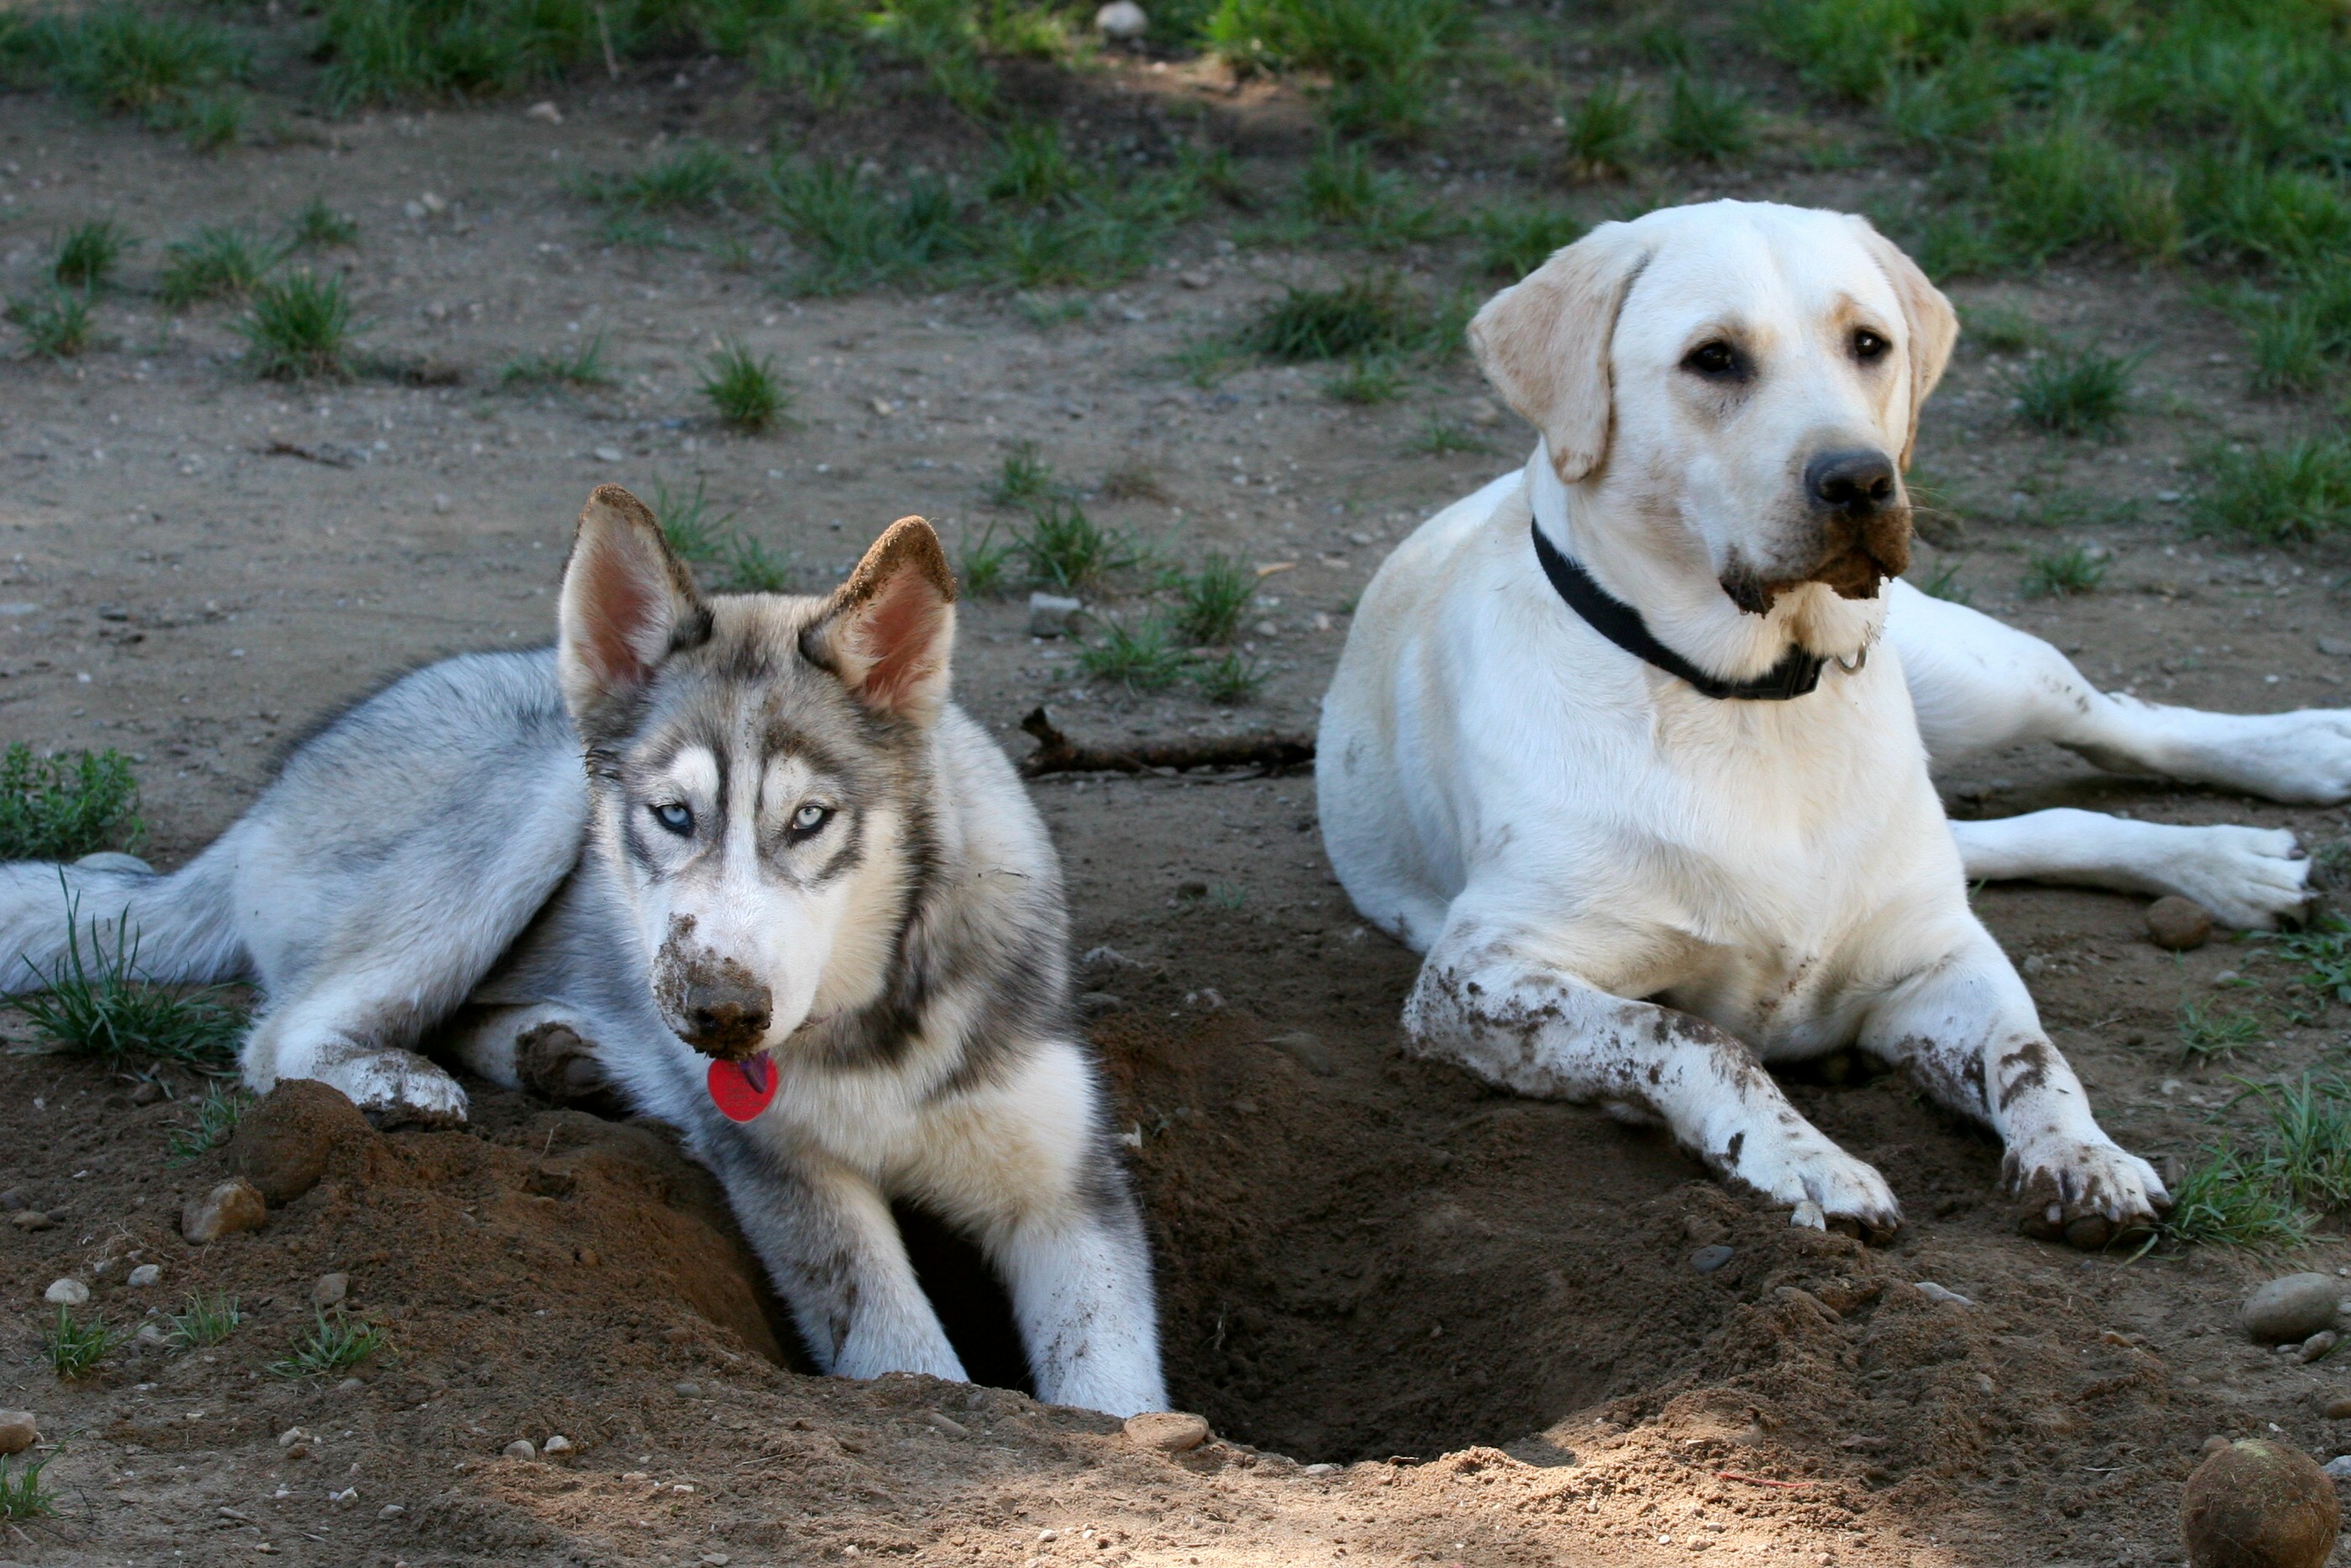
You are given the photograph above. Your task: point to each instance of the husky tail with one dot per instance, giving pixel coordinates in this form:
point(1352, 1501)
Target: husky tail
point(180, 929)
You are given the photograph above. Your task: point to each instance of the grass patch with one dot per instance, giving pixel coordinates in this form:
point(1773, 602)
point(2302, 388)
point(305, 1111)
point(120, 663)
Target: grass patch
point(1210, 601)
point(1367, 380)
point(22, 1495)
point(297, 327)
point(744, 391)
point(73, 1348)
point(1704, 121)
point(217, 1114)
point(1514, 241)
point(120, 59)
point(206, 1320)
point(1943, 582)
point(63, 806)
point(585, 365)
point(686, 522)
point(1603, 128)
point(2320, 952)
point(1436, 437)
point(696, 178)
point(95, 1001)
point(1023, 477)
point(317, 227)
point(1142, 657)
point(2063, 573)
point(1063, 549)
point(1363, 316)
point(2073, 391)
point(982, 564)
point(1230, 680)
point(89, 254)
point(335, 1343)
point(1383, 58)
point(2297, 491)
point(2229, 1200)
point(56, 326)
point(217, 262)
point(857, 234)
point(752, 568)
point(2208, 1035)
point(211, 121)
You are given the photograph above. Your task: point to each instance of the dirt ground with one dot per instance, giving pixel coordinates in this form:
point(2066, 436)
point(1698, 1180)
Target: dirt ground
point(1429, 1324)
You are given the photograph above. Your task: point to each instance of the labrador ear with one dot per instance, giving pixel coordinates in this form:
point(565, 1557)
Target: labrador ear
point(1934, 326)
point(889, 630)
point(627, 603)
point(1544, 343)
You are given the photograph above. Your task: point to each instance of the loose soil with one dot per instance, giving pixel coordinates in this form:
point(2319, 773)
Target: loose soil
point(1428, 1323)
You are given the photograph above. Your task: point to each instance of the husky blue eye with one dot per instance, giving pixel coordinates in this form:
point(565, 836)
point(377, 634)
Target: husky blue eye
point(675, 818)
point(810, 819)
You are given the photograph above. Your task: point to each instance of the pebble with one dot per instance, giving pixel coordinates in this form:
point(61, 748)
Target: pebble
point(558, 1444)
point(2178, 924)
point(1049, 614)
point(689, 1390)
point(1934, 1293)
point(19, 1431)
point(1169, 1431)
point(291, 1435)
point(520, 1448)
point(153, 1333)
point(1706, 1260)
point(544, 109)
point(14, 1199)
point(2293, 1307)
point(144, 1275)
point(2317, 1345)
point(147, 1094)
point(390, 1510)
point(67, 1292)
point(1123, 20)
point(2338, 1407)
point(2334, 647)
point(329, 1290)
point(31, 1220)
point(2339, 1467)
point(1483, 411)
point(235, 1205)
point(1195, 278)
point(607, 455)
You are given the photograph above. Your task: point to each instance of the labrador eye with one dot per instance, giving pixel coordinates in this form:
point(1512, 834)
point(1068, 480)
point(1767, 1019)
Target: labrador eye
point(1714, 357)
point(809, 821)
point(1868, 345)
point(677, 819)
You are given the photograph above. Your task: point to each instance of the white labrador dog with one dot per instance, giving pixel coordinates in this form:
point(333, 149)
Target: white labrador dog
point(1633, 744)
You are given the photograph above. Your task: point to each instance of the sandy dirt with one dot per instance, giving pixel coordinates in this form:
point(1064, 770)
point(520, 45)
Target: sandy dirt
point(1430, 1324)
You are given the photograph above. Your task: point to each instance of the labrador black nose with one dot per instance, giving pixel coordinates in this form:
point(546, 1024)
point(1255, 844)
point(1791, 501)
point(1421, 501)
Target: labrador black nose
point(725, 1014)
point(1856, 482)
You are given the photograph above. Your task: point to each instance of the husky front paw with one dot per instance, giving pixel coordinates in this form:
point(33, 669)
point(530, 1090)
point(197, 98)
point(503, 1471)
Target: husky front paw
point(551, 1059)
point(395, 1087)
point(2087, 1192)
point(2247, 877)
point(1808, 1168)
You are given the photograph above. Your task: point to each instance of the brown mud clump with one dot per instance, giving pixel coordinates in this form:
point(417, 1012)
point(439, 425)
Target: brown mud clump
point(2259, 1504)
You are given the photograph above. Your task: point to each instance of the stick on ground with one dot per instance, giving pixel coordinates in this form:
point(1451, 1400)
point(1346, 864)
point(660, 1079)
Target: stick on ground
point(1057, 753)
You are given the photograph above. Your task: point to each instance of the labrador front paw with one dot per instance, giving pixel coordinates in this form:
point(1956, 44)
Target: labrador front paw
point(395, 1087)
point(2248, 877)
point(2085, 1192)
point(1843, 1192)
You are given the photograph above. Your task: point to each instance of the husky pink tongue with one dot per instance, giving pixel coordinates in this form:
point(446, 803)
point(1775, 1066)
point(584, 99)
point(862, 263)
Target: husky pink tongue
point(741, 1090)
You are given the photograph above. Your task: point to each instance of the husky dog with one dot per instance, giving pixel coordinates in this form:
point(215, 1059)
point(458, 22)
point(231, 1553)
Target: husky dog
point(795, 905)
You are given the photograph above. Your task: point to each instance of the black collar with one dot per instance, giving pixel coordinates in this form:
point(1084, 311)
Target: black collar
point(1792, 676)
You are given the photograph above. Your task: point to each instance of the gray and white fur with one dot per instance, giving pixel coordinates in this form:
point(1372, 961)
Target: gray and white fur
point(785, 840)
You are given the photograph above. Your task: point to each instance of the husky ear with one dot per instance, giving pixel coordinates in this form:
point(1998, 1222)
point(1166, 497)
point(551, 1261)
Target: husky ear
point(1545, 341)
point(627, 603)
point(1933, 325)
point(889, 630)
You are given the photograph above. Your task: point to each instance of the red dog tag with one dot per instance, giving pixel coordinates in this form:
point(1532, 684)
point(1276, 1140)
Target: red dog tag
point(741, 1090)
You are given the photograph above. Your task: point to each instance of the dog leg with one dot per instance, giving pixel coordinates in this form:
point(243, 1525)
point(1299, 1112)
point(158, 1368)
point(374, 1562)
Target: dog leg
point(2247, 877)
point(346, 1034)
point(1028, 1168)
point(1978, 685)
point(1967, 1031)
point(833, 1249)
point(546, 1048)
point(1482, 1001)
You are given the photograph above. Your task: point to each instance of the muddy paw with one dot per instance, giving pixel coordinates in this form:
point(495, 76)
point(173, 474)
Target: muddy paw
point(552, 1060)
point(2086, 1193)
point(2248, 877)
point(1822, 1183)
point(395, 1088)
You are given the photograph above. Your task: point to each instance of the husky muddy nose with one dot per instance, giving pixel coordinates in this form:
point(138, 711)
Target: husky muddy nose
point(1858, 483)
point(724, 1015)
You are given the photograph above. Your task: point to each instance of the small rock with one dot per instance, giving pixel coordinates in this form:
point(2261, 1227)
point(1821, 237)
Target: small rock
point(2293, 1307)
point(544, 109)
point(235, 1205)
point(431, 202)
point(2338, 1467)
point(147, 1094)
point(558, 1444)
point(1797, 1295)
point(2317, 1345)
point(1195, 278)
point(2178, 924)
point(1483, 411)
point(1324, 1468)
point(153, 1333)
point(1049, 614)
point(1809, 1216)
point(1169, 1431)
point(144, 1275)
point(329, 1290)
point(1094, 1004)
point(291, 1435)
point(688, 1390)
point(14, 1199)
point(1706, 1260)
point(390, 1510)
point(1934, 1293)
point(67, 1292)
point(19, 1431)
point(31, 1220)
point(2336, 647)
point(2338, 1407)
point(520, 1448)
point(1123, 20)
point(947, 1424)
